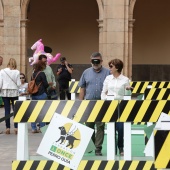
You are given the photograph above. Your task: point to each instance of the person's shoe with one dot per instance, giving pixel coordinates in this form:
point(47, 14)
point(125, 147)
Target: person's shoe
point(16, 131)
point(121, 152)
point(98, 153)
point(90, 151)
point(7, 131)
point(35, 131)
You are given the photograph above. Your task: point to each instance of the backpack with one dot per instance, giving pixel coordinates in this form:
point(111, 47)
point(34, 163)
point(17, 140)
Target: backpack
point(32, 87)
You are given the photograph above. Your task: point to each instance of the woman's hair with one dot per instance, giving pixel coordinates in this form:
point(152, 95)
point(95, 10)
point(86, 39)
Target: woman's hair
point(22, 74)
point(117, 63)
point(39, 66)
point(12, 64)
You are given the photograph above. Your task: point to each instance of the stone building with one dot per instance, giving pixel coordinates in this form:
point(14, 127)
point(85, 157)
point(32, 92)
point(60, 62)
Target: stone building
point(136, 31)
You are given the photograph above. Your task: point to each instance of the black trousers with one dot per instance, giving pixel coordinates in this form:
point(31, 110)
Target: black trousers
point(64, 90)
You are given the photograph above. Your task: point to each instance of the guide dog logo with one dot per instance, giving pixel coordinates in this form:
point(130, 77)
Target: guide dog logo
point(69, 135)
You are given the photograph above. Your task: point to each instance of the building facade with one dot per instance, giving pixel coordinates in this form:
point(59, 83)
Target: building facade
point(135, 31)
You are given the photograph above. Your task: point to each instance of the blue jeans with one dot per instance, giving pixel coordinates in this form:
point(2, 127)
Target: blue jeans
point(7, 104)
point(120, 130)
point(39, 97)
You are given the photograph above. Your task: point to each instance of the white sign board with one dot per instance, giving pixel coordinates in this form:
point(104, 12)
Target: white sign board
point(65, 141)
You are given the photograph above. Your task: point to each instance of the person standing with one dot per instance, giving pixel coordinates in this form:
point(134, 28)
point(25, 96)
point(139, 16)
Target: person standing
point(64, 71)
point(51, 90)
point(40, 81)
point(23, 89)
point(91, 83)
point(9, 85)
point(117, 85)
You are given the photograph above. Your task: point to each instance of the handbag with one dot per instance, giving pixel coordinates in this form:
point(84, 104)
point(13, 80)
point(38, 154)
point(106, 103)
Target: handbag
point(51, 93)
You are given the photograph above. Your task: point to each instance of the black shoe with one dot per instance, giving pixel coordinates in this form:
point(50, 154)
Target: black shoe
point(90, 151)
point(98, 153)
point(121, 152)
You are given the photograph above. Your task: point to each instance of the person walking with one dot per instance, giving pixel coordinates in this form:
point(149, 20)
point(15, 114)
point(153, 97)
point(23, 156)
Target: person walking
point(91, 84)
point(9, 85)
point(117, 85)
point(64, 71)
point(51, 90)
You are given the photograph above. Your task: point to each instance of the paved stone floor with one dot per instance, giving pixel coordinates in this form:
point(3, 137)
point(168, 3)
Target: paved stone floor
point(8, 144)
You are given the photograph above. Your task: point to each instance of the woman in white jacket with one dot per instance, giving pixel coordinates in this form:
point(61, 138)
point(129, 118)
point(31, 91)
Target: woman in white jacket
point(117, 85)
point(9, 85)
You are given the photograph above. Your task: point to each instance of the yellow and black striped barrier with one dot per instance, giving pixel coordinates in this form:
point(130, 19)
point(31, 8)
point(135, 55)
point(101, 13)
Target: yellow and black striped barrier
point(162, 149)
point(84, 165)
point(157, 94)
point(79, 111)
point(142, 110)
point(73, 87)
point(136, 165)
point(91, 110)
point(138, 86)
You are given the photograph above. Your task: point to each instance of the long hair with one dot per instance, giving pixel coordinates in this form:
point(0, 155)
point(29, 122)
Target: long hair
point(12, 64)
point(39, 66)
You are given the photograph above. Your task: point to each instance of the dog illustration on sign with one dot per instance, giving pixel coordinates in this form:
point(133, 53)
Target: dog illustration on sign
point(67, 136)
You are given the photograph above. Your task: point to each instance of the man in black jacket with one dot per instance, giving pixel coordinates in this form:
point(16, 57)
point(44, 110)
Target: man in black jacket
point(64, 71)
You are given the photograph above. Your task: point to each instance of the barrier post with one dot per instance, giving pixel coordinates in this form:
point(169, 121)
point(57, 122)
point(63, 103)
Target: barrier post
point(73, 95)
point(22, 142)
point(22, 138)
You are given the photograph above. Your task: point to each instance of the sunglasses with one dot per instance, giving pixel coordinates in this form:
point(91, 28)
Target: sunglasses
point(22, 77)
point(95, 61)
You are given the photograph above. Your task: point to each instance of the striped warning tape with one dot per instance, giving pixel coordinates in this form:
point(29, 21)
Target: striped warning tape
point(157, 94)
point(80, 111)
point(138, 86)
point(162, 148)
point(84, 165)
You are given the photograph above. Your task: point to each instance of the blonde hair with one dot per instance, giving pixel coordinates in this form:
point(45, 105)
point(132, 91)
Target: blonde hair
point(12, 63)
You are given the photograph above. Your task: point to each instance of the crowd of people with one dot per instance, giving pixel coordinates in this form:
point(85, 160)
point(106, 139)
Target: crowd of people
point(96, 83)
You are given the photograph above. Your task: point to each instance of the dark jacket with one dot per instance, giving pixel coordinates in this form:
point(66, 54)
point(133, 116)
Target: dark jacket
point(41, 78)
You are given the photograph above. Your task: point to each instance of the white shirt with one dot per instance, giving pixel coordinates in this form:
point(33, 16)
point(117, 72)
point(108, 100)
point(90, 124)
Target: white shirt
point(9, 82)
point(115, 86)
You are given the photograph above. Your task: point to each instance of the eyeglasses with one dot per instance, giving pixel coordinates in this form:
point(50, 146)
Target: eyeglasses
point(22, 77)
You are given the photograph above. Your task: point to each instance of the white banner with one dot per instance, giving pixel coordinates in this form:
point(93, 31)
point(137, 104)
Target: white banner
point(65, 141)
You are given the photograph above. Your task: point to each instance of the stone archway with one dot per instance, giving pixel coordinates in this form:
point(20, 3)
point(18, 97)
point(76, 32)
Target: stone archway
point(130, 35)
point(24, 7)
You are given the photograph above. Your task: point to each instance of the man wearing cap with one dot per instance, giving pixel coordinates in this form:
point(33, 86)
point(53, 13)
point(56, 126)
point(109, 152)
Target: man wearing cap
point(64, 71)
point(91, 84)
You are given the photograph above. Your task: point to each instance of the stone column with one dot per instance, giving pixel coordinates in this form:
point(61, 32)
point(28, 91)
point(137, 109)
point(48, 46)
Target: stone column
point(23, 56)
point(131, 21)
point(100, 36)
point(114, 30)
point(1, 38)
point(12, 13)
